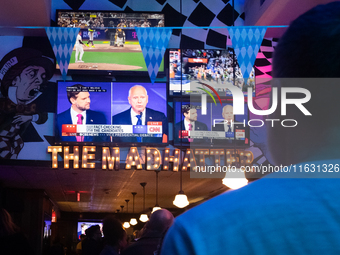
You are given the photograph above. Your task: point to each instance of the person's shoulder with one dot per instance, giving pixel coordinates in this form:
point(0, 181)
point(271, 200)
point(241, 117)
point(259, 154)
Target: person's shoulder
point(179, 123)
point(251, 197)
point(122, 113)
point(95, 114)
point(150, 111)
point(95, 117)
point(218, 126)
point(122, 117)
point(64, 113)
point(201, 124)
point(92, 112)
point(64, 116)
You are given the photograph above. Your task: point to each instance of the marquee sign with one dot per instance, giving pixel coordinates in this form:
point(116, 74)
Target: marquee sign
point(152, 159)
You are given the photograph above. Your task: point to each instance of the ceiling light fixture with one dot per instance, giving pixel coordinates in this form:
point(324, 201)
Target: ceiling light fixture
point(181, 200)
point(133, 221)
point(126, 224)
point(127, 205)
point(143, 217)
point(156, 207)
point(238, 180)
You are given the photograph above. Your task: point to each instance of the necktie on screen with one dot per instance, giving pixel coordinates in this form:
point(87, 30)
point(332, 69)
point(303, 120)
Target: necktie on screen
point(190, 128)
point(80, 122)
point(139, 122)
point(229, 128)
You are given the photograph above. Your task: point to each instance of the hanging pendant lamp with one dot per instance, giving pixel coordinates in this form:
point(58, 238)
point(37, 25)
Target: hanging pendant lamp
point(143, 217)
point(133, 221)
point(181, 200)
point(156, 207)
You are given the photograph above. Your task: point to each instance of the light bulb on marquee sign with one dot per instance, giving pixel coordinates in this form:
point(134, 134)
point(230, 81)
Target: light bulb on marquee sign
point(133, 159)
point(175, 159)
point(111, 158)
point(153, 159)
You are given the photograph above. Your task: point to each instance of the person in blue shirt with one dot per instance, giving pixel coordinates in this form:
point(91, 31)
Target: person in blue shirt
point(295, 211)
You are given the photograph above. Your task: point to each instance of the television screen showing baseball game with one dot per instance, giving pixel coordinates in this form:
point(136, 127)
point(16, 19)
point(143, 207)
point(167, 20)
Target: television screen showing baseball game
point(210, 124)
point(193, 70)
point(107, 42)
point(111, 112)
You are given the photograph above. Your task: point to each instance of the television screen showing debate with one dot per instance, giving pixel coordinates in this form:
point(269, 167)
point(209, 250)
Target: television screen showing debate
point(113, 112)
point(210, 125)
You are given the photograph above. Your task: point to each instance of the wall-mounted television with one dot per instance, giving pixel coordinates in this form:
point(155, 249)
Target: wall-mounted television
point(83, 225)
point(211, 125)
point(114, 48)
point(190, 70)
point(112, 112)
point(151, 126)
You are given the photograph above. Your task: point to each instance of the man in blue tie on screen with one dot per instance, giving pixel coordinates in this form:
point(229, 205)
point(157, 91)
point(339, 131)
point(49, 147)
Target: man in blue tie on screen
point(139, 115)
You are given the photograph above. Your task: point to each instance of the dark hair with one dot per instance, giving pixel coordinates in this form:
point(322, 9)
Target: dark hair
point(74, 93)
point(309, 49)
point(7, 226)
point(186, 108)
point(310, 46)
point(91, 231)
point(113, 230)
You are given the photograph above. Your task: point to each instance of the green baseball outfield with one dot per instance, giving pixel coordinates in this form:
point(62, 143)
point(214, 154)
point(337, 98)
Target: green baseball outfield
point(105, 57)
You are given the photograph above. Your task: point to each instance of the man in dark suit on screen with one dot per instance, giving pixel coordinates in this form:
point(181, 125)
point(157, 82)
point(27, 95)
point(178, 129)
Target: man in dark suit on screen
point(189, 123)
point(229, 126)
point(80, 113)
point(139, 114)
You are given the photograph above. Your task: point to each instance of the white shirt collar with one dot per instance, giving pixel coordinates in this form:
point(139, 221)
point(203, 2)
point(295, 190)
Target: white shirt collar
point(74, 116)
point(226, 124)
point(186, 124)
point(134, 119)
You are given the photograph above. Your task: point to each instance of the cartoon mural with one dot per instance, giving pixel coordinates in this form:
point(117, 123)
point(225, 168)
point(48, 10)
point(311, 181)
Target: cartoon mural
point(24, 100)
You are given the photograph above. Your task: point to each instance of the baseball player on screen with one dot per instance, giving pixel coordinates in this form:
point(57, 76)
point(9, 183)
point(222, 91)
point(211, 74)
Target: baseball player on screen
point(91, 30)
point(79, 49)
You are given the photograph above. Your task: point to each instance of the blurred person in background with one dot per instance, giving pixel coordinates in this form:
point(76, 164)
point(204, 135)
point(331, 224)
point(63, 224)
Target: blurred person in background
point(12, 241)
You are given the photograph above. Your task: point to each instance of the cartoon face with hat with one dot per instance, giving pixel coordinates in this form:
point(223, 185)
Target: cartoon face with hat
point(24, 73)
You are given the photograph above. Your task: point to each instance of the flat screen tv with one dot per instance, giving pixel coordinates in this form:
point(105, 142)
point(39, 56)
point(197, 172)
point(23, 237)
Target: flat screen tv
point(211, 125)
point(83, 225)
point(114, 48)
point(190, 70)
point(112, 112)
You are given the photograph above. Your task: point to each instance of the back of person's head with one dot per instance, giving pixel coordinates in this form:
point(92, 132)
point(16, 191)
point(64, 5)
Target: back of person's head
point(160, 221)
point(7, 227)
point(309, 48)
point(113, 230)
point(92, 231)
